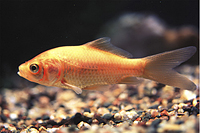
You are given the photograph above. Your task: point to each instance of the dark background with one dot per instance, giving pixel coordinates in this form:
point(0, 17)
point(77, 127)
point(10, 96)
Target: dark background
point(31, 27)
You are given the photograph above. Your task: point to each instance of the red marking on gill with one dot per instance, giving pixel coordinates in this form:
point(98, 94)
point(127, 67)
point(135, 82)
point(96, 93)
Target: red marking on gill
point(45, 77)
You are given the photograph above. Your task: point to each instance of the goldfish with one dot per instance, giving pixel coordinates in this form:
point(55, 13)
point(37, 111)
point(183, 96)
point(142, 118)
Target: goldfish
point(99, 64)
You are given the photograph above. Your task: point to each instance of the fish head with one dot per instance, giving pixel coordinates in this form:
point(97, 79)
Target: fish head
point(45, 71)
point(31, 70)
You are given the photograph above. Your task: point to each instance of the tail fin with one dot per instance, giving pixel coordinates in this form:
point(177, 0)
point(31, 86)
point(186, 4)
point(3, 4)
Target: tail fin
point(159, 68)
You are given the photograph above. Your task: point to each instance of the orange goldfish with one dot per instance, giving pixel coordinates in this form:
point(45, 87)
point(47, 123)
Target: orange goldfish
point(99, 64)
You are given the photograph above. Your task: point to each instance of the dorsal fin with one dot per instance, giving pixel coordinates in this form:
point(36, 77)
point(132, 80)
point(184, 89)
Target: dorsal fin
point(105, 45)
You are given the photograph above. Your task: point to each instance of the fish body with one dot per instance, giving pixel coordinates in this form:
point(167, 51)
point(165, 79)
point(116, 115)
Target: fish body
point(98, 64)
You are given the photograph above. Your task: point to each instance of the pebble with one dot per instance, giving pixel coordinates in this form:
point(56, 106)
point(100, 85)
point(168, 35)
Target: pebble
point(3, 118)
point(83, 125)
point(13, 116)
point(154, 113)
point(155, 123)
point(131, 114)
point(102, 111)
point(123, 96)
point(87, 114)
point(44, 101)
point(118, 116)
point(107, 116)
point(164, 113)
point(180, 111)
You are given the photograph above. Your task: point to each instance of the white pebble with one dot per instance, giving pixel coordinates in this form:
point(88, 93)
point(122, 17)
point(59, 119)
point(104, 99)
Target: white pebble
point(13, 116)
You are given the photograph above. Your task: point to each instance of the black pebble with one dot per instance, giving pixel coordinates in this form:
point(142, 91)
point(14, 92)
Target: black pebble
point(119, 121)
point(169, 110)
point(87, 110)
point(194, 111)
point(77, 118)
point(3, 118)
point(151, 130)
point(110, 109)
point(89, 121)
point(51, 122)
point(72, 128)
point(49, 126)
point(77, 115)
point(62, 106)
point(114, 111)
point(107, 105)
point(130, 109)
point(64, 122)
point(18, 104)
point(155, 123)
point(146, 117)
point(28, 118)
point(179, 122)
point(108, 116)
point(139, 112)
point(38, 118)
point(45, 117)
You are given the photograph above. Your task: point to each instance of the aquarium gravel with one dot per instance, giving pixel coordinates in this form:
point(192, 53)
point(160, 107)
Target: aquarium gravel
point(148, 107)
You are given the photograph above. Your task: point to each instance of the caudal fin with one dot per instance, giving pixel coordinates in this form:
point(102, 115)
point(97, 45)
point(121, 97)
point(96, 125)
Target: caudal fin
point(159, 68)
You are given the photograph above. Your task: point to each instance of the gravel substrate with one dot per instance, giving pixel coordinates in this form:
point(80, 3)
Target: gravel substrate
point(149, 107)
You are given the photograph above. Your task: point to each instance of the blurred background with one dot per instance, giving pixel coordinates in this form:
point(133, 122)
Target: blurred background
point(142, 27)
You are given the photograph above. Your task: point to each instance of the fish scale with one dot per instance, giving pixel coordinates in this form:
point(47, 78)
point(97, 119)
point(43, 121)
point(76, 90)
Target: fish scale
point(92, 76)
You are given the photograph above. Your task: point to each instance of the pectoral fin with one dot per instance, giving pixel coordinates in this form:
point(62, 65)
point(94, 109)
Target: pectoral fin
point(75, 88)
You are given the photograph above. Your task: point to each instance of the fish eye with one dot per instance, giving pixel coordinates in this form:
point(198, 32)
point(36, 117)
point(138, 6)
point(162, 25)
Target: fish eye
point(34, 68)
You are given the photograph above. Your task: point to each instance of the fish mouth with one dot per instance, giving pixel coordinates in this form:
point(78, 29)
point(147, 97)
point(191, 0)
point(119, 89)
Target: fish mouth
point(18, 73)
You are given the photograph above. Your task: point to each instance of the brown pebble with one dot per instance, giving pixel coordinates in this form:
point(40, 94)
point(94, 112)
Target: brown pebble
point(12, 128)
point(118, 116)
point(44, 101)
point(138, 119)
point(128, 107)
point(164, 113)
point(91, 103)
point(164, 102)
point(154, 113)
point(93, 109)
point(95, 121)
point(20, 123)
point(6, 112)
point(148, 123)
point(164, 118)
